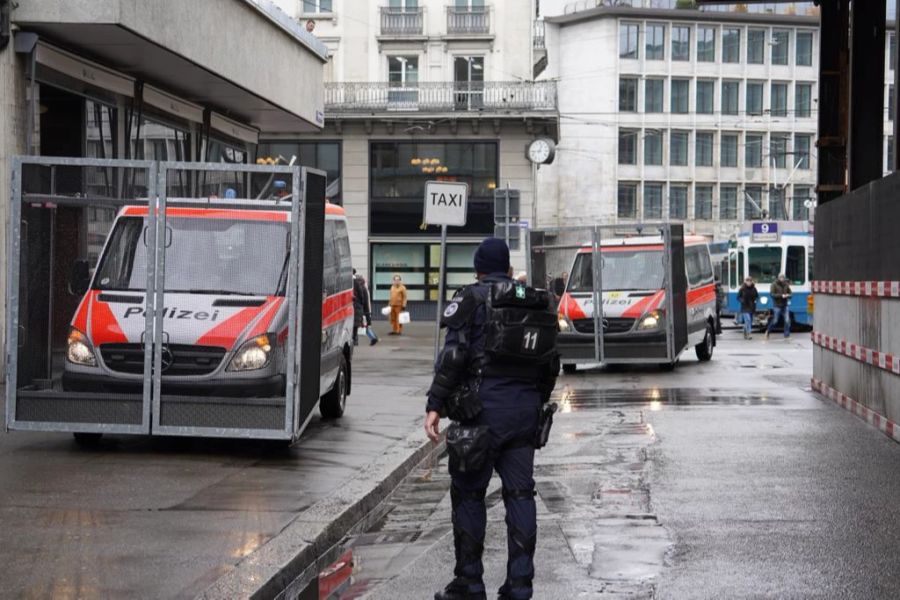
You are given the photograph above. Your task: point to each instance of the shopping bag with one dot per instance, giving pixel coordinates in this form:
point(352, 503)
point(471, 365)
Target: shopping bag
point(386, 311)
point(404, 318)
point(362, 330)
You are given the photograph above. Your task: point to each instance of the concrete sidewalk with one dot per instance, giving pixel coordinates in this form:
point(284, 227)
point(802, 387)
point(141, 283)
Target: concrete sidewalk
point(167, 517)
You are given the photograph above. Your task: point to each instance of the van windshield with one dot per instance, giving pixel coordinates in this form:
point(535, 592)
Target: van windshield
point(622, 270)
point(220, 256)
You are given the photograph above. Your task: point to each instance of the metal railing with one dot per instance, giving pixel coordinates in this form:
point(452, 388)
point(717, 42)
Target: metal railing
point(538, 36)
point(402, 21)
point(443, 96)
point(468, 19)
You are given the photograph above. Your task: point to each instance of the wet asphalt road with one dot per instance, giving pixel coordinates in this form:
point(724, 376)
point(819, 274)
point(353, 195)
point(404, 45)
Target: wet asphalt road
point(720, 480)
point(164, 518)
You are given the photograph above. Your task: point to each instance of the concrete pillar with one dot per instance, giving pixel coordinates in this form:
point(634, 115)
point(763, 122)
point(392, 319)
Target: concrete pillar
point(866, 151)
point(833, 85)
point(12, 142)
point(896, 165)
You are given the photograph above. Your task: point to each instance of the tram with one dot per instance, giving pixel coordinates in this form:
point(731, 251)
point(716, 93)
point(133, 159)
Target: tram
point(763, 250)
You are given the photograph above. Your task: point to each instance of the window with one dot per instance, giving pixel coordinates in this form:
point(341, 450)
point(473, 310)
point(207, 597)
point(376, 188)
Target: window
point(655, 42)
point(704, 150)
point(698, 266)
point(731, 91)
point(628, 40)
point(764, 263)
point(706, 44)
point(890, 103)
point(342, 245)
point(804, 48)
point(680, 95)
point(325, 156)
point(653, 197)
point(468, 82)
point(776, 204)
point(653, 95)
point(795, 265)
point(802, 142)
point(754, 98)
point(705, 96)
point(397, 183)
point(756, 46)
point(403, 78)
point(628, 94)
point(703, 202)
point(728, 202)
point(678, 148)
point(753, 150)
point(628, 147)
point(781, 41)
point(802, 194)
point(316, 6)
point(653, 147)
point(779, 99)
point(681, 42)
point(678, 202)
point(729, 156)
point(627, 208)
point(752, 202)
point(802, 100)
point(890, 154)
point(778, 143)
point(731, 45)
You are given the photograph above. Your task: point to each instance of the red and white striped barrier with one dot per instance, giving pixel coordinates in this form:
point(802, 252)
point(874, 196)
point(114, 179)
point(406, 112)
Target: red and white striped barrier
point(882, 360)
point(876, 289)
point(877, 420)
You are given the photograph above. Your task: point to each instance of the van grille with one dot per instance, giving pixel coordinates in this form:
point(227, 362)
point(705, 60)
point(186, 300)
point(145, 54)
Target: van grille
point(614, 325)
point(185, 359)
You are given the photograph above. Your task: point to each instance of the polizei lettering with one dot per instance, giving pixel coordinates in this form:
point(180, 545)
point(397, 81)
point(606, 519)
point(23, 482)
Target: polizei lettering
point(174, 313)
point(438, 199)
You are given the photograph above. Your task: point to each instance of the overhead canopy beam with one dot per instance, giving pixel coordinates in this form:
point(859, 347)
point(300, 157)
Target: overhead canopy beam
point(866, 152)
point(834, 83)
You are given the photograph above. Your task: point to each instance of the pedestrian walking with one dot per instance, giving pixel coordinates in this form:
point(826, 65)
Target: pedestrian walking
point(362, 310)
point(781, 297)
point(747, 296)
point(398, 304)
point(493, 379)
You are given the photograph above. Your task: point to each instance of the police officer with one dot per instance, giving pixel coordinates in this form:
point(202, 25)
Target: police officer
point(502, 427)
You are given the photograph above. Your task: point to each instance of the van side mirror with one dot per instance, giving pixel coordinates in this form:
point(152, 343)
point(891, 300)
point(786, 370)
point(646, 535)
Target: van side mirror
point(80, 278)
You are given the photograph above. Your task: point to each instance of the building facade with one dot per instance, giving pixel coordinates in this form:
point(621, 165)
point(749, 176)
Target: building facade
point(703, 117)
point(418, 91)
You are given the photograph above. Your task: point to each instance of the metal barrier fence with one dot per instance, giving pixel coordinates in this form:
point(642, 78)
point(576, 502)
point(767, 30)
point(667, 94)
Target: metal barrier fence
point(635, 274)
point(163, 298)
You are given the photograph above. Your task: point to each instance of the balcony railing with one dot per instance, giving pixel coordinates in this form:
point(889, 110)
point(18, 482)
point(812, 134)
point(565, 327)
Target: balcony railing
point(444, 96)
point(539, 35)
point(401, 21)
point(468, 20)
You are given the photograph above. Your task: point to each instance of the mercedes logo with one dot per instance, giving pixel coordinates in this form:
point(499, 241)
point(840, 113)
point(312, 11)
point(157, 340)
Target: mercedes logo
point(166, 359)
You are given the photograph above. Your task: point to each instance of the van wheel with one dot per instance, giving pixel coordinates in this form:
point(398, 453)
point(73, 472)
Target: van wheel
point(87, 440)
point(568, 369)
point(705, 348)
point(332, 404)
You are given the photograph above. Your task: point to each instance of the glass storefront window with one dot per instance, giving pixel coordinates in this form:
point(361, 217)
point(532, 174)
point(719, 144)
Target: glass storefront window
point(419, 267)
point(325, 156)
point(399, 170)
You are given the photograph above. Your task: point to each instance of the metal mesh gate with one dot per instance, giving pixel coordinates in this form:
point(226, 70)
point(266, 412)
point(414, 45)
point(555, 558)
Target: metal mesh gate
point(164, 297)
point(634, 273)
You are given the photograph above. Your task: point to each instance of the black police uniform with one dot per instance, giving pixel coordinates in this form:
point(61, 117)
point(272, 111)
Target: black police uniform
point(510, 412)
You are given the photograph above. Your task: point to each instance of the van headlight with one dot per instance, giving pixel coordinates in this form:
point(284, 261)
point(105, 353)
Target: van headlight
point(564, 325)
point(79, 349)
point(650, 321)
point(254, 354)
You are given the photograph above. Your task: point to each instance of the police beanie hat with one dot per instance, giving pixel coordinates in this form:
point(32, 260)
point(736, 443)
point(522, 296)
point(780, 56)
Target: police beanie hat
point(492, 256)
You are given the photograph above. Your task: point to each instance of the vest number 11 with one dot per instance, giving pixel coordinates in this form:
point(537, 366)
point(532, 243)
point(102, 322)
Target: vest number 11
point(530, 340)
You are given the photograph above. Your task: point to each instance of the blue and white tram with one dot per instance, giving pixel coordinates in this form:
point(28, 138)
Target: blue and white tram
point(763, 250)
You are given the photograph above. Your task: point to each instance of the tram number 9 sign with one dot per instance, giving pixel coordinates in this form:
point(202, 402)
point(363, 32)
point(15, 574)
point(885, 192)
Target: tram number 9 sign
point(764, 232)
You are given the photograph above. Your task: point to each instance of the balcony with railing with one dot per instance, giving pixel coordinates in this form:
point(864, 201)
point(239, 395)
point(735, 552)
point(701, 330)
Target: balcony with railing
point(468, 20)
point(493, 97)
point(401, 21)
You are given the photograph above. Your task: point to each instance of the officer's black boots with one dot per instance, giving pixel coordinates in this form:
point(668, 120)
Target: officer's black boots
point(458, 589)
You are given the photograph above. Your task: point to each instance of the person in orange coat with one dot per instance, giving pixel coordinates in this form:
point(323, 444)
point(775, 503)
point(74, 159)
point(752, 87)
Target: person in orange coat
point(398, 304)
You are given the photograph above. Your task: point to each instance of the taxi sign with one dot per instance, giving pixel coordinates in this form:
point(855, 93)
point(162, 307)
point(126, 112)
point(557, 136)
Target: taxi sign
point(445, 203)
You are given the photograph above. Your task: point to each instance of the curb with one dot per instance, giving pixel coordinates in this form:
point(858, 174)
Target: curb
point(290, 560)
point(873, 418)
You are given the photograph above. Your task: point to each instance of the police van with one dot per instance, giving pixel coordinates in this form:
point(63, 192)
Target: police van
point(226, 317)
point(633, 282)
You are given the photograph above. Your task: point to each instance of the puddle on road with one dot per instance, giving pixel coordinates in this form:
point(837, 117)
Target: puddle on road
point(574, 400)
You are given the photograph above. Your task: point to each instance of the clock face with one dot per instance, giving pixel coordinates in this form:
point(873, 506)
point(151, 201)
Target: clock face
point(539, 151)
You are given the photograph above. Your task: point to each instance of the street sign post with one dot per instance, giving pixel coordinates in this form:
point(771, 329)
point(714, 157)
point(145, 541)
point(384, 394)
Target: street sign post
point(445, 204)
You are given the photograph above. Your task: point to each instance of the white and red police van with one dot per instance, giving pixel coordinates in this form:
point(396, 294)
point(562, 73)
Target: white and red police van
point(225, 320)
point(633, 283)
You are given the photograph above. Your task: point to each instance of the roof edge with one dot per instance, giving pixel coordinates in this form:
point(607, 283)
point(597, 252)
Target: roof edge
point(270, 11)
point(685, 14)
